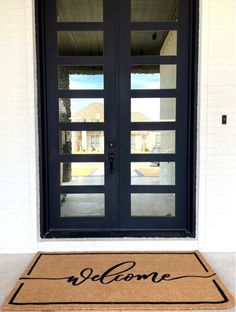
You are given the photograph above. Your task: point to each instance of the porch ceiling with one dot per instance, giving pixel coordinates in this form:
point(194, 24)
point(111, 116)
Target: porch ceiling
point(91, 43)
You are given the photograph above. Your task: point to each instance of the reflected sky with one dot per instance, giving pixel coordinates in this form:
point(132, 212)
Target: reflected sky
point(86, 82)
point(145, 81)
point(138, 81)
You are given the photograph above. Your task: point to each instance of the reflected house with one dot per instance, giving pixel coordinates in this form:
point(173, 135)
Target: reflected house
point(156, 43)
point(93, 141)
point(145, 141)
point(88, 141)
point(77, 142)
point(142, 141)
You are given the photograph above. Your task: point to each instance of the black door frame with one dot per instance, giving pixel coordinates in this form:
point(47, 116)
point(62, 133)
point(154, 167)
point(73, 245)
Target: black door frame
point(46, 230)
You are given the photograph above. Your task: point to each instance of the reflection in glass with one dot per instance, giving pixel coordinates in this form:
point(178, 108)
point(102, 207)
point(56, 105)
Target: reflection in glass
point(81, 142)
point(73, 77)
point(81, 110)
point(153, 205)
point(153, 77)
point(84, 173)
point(153, 42)
point(82, 205)
point(153, 109)
point(154, 11)
point(152, 173)
point(80, 11)
point(79, 43)
point(153, 141)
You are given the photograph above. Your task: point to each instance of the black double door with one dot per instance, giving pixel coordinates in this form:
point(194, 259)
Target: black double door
point(116, 131)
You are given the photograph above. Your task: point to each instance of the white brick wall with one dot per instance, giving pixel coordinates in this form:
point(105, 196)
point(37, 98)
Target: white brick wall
point(217, 148)
point(17, 127)
point(216, 144)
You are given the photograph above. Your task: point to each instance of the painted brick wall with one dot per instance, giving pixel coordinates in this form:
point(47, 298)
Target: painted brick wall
point(216, 143)
point(17, 127)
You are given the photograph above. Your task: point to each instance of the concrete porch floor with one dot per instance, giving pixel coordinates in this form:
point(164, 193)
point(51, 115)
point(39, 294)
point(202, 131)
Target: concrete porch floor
point(12, 266)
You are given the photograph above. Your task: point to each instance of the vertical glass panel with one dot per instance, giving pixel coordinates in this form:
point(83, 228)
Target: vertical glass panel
point(82, 205)
point(81, 142)
point(154, 11)
point(153, 109)
point(73, 77)
point(153, 42)
point(153, 77)
point(81, 110)
point(79, 43)
point(152, 173)
point(84, 173)
point(153, 205)
point(153, 141)
point(80, 10)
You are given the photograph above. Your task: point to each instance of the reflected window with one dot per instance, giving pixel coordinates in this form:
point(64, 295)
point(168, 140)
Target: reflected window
point(80, 77)
point(95, 141)
point(81, 110)
point(81, 142)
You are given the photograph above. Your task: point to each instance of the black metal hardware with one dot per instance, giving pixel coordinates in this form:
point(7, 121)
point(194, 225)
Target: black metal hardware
point(224, 119)
point(111, 163)
point(111, 144)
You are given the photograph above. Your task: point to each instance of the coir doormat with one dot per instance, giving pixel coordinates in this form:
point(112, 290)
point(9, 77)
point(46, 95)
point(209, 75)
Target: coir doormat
point(127, 280)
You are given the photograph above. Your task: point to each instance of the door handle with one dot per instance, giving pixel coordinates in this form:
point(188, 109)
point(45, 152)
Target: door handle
point(111, 163)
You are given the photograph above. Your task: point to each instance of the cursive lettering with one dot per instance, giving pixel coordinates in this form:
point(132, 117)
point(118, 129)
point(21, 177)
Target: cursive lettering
point(117, 273)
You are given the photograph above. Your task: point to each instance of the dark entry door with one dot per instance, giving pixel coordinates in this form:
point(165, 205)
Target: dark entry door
point(116, 118)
